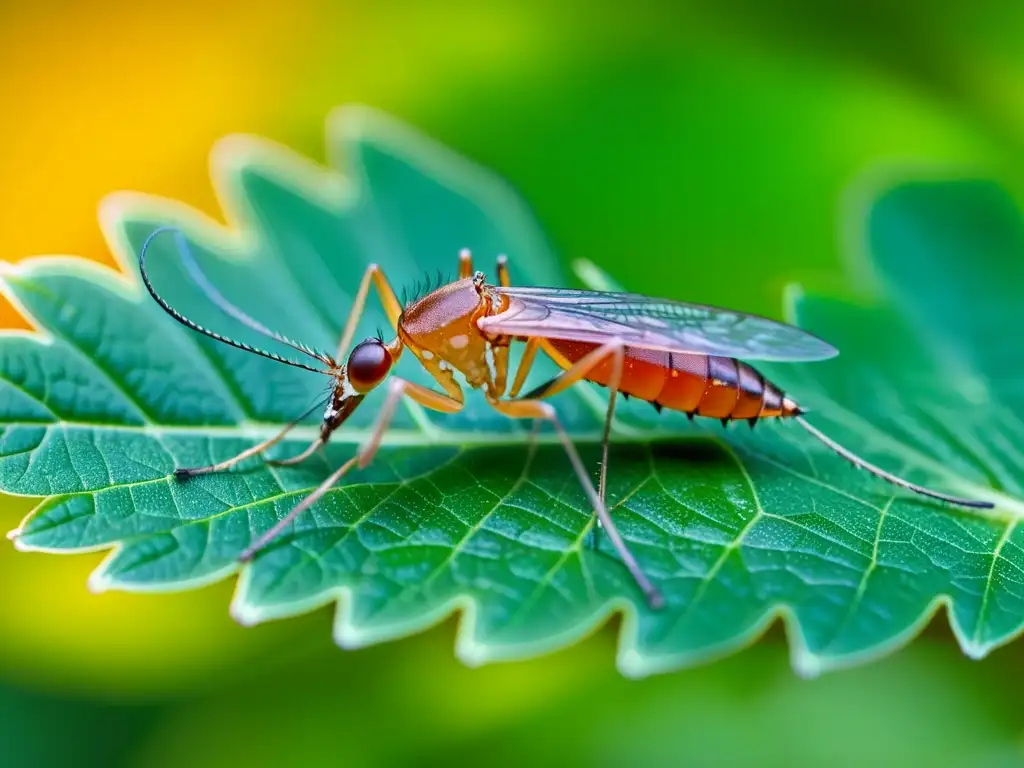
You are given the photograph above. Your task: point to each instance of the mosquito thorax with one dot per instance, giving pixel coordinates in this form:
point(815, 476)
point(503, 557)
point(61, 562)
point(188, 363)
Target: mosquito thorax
point(443, 326)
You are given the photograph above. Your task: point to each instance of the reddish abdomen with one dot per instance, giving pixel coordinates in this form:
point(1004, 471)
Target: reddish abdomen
point(701, 385)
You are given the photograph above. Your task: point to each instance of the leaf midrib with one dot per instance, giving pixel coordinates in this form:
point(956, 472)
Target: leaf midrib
point(400, 437)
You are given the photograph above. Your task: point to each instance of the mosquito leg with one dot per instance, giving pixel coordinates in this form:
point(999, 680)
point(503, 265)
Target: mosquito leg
point(525, 364)
point(614, 382)
point(428, 398)
point(186, 472)
point(292, 460)
point(465, 264)
point(503, 279)
point(298, 509)
point(534, 409)
point(602, 483)
point(576, 372)
point(500, 355)
point(392, 306)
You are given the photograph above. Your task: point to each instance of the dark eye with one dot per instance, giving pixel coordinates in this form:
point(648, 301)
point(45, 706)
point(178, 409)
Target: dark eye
point(368, 364)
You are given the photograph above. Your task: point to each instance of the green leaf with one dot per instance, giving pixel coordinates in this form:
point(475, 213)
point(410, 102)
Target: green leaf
point(460, 512)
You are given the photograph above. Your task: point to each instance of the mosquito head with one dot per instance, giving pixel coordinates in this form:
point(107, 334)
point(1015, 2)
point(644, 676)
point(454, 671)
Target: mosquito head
point(368, 365)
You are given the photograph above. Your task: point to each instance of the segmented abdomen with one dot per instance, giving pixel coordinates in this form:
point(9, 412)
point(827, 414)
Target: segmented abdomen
point(701, 385)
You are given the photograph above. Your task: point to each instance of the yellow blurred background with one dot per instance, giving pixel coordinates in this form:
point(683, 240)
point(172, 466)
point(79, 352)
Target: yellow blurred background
point(728, 132)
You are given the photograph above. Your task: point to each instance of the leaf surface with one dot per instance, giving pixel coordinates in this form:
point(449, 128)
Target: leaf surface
point(101, 404)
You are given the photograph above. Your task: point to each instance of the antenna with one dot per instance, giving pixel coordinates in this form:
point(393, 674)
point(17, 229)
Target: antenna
point(224, 305)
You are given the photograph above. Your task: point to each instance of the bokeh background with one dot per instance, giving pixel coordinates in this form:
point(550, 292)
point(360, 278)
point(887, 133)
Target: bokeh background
point(703, 149)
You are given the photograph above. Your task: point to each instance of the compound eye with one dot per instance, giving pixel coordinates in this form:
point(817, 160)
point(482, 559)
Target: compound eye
point(368, 364)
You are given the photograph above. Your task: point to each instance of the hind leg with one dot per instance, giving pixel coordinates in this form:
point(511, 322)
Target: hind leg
point(576, 372)
point(535, 409)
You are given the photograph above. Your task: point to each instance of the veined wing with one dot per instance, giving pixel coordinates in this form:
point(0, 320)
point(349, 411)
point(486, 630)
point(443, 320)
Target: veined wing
point(649, 323)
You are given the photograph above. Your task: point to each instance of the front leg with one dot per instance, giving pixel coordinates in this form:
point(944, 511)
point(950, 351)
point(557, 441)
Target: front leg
point(393, 309)
point(397, 388)
point(392, 306)
point(183, 473)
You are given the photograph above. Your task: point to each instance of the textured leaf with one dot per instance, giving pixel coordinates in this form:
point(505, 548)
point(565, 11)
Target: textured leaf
point(109, 396)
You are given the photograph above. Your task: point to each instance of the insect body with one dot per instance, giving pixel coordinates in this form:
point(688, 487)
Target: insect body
point(684, 357)
point(698, 385)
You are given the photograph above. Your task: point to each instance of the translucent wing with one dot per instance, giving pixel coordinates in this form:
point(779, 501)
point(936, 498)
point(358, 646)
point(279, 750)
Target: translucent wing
point(642, 321)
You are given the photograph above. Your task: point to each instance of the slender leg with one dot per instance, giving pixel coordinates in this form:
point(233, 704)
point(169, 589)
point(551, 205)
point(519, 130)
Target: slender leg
point(392, 306)
point(579, 370)
point(465, 264)
point(602, 483)
point(393, 309)
point(534, 409)
point(292, 460)
point(428, 398)
point(503, 278)
point(500, 353)
point(525, 364)
point(186, 472)
point(576, 372)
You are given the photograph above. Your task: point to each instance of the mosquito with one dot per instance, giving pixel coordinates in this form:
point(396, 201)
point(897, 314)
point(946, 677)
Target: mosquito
point(684, 357)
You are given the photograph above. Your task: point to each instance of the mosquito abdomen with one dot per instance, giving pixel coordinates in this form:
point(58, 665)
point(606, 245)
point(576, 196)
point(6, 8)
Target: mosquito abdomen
point(700, 385)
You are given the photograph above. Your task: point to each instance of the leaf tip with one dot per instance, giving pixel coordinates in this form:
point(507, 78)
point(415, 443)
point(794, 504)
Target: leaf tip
point(632, 663)
point(808, 665)
point(356, 122)
point(244, 614)
point(17, 537)
point(472, 654)
point(8, 272)
point(98, 582)
point(113, 208)
point(975, 651)
point(593, 276)
point(792, 296)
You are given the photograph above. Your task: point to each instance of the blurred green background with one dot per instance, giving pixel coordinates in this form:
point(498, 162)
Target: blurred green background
point(703, 150)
